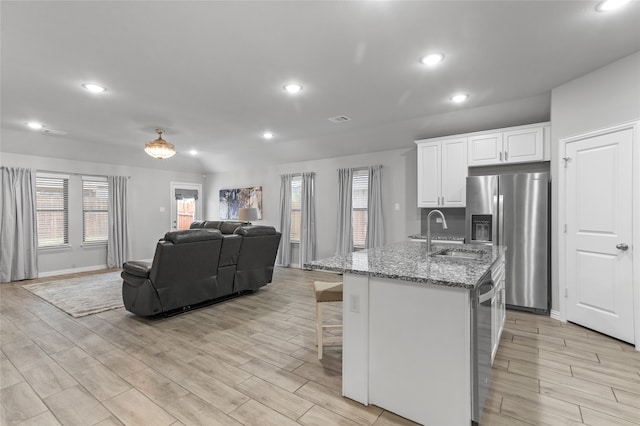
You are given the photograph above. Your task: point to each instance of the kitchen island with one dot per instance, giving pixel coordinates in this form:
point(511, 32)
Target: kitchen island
point(414, 330)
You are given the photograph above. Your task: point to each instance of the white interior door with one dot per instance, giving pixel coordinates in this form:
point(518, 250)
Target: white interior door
point(186, 204)
point(598, 209)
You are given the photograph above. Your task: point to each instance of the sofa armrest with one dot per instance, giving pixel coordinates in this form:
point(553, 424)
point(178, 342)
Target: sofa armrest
point(137, 268)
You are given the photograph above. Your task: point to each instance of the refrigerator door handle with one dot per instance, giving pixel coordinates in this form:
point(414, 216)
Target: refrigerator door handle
point(501, 220)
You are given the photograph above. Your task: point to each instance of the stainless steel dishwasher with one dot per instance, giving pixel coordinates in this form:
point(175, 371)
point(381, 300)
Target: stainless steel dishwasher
point(481, 344)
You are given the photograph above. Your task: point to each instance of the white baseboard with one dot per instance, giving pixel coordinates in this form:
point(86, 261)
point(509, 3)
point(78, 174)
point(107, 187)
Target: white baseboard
point(555, 315)
point(71, 271)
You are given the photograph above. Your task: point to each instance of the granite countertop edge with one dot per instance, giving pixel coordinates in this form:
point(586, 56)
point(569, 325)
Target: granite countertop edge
point(406, 261)
point(408, 278)
point(437, 237)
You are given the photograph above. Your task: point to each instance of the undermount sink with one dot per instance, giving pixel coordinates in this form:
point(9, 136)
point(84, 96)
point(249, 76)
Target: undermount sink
point(459, 254)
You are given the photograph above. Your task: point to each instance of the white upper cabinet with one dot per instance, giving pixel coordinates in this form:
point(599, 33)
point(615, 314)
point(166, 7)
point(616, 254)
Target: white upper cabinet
point(511, 145)
point(442, 172)
point(485, 149)
point(523, 145)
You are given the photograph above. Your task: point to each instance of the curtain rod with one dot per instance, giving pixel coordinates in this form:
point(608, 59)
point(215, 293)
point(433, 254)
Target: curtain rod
point(74, 174)
point(359, 168)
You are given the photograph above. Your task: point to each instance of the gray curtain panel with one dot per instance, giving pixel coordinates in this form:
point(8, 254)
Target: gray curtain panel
point(284, 251)
point(18, 225)
point(307, 220)
point(118, 244)
point(375, 226)
point(344, 237)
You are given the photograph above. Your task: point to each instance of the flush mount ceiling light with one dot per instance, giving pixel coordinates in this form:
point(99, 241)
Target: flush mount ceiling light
point(34, 125)
point(607, 5)
point(432, 59)
point(293, 87)
point(459, 98)
point(267, 135)
point(94, 88)
point(159, 148)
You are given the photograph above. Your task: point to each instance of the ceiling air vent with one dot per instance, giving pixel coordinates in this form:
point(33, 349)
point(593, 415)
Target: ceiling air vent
point(53, 132)
point(339, 119)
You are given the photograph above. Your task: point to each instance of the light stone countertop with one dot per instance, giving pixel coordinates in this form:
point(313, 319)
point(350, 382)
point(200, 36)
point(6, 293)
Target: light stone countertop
point(437, 237)
point(408, 261)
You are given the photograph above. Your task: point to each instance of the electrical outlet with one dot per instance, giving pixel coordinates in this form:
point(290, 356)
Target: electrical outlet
point(438, 220)
point(161, 209)
point(397, 207)
point(354, 303)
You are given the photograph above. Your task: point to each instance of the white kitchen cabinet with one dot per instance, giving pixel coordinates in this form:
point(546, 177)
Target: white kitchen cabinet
point(505, 146)
point(498, 311)
point(485, 149)
point(442, 172)
point(523, 145)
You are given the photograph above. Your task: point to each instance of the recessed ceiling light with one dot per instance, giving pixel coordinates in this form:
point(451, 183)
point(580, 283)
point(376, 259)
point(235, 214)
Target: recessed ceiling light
point(35, 125)
point(606, 5)
point(193, 152)
point(94, 88)
point(292, 87)
point(432, 59)
point(460, 97)
point(267, 135)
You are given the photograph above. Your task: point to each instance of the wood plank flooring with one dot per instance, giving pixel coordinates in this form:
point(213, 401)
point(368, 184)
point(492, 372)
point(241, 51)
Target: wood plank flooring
point(252, 361)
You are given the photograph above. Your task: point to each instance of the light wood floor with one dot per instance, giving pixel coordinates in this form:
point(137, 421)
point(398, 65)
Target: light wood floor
point(252, 361)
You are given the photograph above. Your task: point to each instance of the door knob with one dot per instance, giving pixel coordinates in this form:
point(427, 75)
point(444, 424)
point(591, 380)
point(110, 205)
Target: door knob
point(622, 246)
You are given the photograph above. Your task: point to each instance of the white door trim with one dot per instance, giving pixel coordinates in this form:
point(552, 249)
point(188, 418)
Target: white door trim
point(172, 199)
point(562, 261)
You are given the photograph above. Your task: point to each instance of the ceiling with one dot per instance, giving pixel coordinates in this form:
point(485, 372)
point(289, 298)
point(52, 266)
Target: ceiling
point(211, 74)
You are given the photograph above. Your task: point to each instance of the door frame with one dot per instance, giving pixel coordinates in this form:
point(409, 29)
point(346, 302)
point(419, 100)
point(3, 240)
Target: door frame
point(172, 199)
point(635, 239)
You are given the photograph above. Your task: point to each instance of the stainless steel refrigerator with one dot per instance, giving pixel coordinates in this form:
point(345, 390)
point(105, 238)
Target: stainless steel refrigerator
point(513, 210)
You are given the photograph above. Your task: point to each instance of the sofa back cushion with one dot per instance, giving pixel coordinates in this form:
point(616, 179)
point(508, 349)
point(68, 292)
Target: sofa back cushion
point(230, 226)
point(257, 256)
point(185, 266)
point(192, 235)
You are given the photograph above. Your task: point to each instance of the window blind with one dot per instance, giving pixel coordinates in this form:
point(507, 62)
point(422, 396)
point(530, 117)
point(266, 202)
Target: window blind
point(95, 213)
point(52, 210)
point(360, 211)
point(296, 206)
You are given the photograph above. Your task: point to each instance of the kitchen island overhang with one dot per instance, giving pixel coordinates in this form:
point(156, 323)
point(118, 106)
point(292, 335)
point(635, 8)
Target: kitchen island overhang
point(408, 338)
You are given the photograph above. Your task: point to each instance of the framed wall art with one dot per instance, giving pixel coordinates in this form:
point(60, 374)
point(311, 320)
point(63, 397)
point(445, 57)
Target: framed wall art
point(232, 200)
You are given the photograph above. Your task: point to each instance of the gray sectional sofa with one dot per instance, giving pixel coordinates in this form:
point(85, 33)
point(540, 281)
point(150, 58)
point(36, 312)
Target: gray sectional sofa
point(211, 261)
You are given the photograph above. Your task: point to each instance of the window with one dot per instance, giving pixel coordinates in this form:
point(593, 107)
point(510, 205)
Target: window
point(52, 210)
point(95, 215)
point(296, 206)
point(360, 211)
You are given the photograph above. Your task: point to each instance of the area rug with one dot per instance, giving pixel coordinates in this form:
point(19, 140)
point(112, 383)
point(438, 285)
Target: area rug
point(82, 296)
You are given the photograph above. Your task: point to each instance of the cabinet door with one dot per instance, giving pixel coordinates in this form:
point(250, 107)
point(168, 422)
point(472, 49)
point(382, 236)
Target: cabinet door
point(429, 174)
point(454, 173)
point(485, 149)
point(524, 145)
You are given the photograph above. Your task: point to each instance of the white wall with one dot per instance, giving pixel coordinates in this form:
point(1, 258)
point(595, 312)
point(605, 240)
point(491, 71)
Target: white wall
point(602, 98)
point(149, 190)
point(399, 186)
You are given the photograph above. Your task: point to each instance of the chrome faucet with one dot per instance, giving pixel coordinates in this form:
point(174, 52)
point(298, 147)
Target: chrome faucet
point(444, 226)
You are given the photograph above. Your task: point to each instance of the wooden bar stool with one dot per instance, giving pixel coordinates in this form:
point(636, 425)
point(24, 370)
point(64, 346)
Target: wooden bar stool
point(326, 292)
